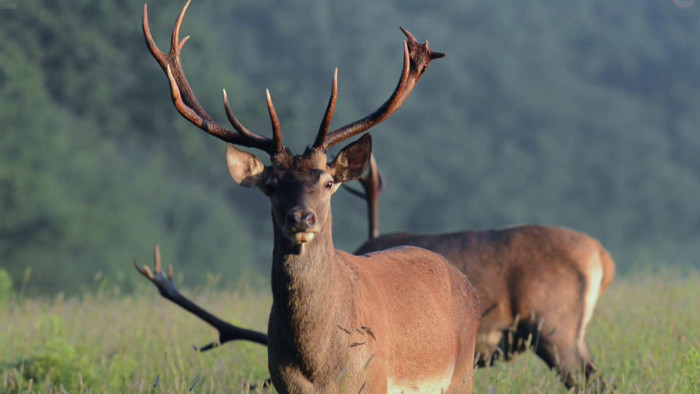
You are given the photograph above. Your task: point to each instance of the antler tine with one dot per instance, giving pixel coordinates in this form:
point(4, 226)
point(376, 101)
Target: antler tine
point(374, 189)
point(175, 37)
point(150, 43)
point(328, 116)
point(359, 126)
point(367, 181)
point(145, 271)
point(234, 121)
point(184, 99)
point(276, 129)
point(156, 258)
point(417, 57)
point(376, 177)
point(380, 183)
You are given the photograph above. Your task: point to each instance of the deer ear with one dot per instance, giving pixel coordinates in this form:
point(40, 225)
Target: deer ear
point(353, 160)
point(245, 169)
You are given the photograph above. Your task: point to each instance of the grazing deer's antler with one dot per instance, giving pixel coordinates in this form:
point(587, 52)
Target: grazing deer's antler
point(373, 184)
point(186, 102)
point(166, 288)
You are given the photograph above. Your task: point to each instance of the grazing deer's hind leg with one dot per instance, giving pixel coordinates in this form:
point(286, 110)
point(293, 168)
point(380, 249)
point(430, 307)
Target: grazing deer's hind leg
point(557, 345)
point(592, 293)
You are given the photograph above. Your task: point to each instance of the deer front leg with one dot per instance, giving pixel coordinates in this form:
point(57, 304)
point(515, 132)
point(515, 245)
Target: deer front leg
point(166, 288)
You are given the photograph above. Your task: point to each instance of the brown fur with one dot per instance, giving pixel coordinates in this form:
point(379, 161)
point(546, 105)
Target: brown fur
point(530, 281)
point(403, 319)
point(341, 329)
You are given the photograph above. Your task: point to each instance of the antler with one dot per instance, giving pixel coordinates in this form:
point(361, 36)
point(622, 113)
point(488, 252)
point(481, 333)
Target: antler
point(373, 183)
point(416, 59)
point(186, 103)
point(166, 288)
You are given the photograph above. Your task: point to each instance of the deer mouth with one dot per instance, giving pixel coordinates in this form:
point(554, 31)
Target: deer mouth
point(299, 239)
point(303, 237)
point(300, 234)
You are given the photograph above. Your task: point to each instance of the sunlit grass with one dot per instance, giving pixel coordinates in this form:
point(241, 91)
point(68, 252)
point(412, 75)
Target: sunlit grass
point(128, 343)
point(644, 336)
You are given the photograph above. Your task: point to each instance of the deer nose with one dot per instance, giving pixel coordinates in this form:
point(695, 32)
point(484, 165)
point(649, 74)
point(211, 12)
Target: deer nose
point(301, 218)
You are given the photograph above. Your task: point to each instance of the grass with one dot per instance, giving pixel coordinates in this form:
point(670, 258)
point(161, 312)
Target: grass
point(644, 336)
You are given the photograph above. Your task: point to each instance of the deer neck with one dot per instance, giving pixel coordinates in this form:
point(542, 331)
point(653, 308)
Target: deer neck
point(309, 295)
point(301, 276)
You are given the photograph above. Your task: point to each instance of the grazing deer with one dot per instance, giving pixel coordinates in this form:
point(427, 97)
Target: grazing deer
point(537, 285)
point(399, 320)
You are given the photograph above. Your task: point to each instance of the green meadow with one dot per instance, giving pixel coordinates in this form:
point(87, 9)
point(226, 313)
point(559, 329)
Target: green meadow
point(645, 338)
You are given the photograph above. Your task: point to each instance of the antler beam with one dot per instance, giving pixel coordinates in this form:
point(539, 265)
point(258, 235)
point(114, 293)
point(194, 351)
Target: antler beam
point(186, 103)
point(416, 59)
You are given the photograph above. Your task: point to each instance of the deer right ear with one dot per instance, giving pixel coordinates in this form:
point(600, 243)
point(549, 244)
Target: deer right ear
point(352, 160)
point(245, 169)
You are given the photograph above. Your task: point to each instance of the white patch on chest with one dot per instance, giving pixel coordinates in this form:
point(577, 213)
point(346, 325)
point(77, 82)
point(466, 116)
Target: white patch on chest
point(436, 384)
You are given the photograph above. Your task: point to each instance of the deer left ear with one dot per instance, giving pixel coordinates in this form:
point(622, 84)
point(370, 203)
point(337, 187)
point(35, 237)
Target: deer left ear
point(352, 161)
point(245, 169)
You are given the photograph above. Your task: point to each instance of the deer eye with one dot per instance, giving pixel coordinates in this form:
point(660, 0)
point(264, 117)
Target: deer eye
point(328, 185)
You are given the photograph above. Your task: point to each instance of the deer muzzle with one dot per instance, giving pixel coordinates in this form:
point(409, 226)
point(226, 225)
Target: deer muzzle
point(300, 225)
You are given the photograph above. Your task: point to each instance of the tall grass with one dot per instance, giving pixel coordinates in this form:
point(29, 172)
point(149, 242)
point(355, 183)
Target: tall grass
point(644, 336)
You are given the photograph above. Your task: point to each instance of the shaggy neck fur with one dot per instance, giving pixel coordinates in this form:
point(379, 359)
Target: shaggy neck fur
point(307, 298)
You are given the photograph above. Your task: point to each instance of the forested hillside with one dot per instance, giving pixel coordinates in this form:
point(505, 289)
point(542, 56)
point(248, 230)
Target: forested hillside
point(580, 114)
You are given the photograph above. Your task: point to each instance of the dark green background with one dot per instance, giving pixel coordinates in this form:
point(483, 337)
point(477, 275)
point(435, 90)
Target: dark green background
point(581, 114)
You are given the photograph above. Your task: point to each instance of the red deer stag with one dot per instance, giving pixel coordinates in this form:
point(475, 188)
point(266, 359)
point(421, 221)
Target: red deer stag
point(399, 320)
point(537, 285)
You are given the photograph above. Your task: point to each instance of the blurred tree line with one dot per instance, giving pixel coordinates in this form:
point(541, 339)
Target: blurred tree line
point(577, 114)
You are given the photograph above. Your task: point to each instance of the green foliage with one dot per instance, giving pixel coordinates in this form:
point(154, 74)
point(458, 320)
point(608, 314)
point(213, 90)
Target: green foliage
point(73, 196)
point(690, 373)
point(588, 124)
point(58, 362)
point(121, 369)
point(53, 360)
point(51, 326)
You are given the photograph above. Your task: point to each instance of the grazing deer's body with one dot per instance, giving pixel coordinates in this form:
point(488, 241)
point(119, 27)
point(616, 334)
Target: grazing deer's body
point(531, 280)
point(403, 320)
point(537, 285)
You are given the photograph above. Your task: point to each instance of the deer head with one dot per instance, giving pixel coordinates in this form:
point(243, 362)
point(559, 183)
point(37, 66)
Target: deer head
point(299, 186)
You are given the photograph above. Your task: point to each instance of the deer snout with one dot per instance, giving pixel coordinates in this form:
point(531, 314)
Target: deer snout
point(300, 219)
point(300, 225)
